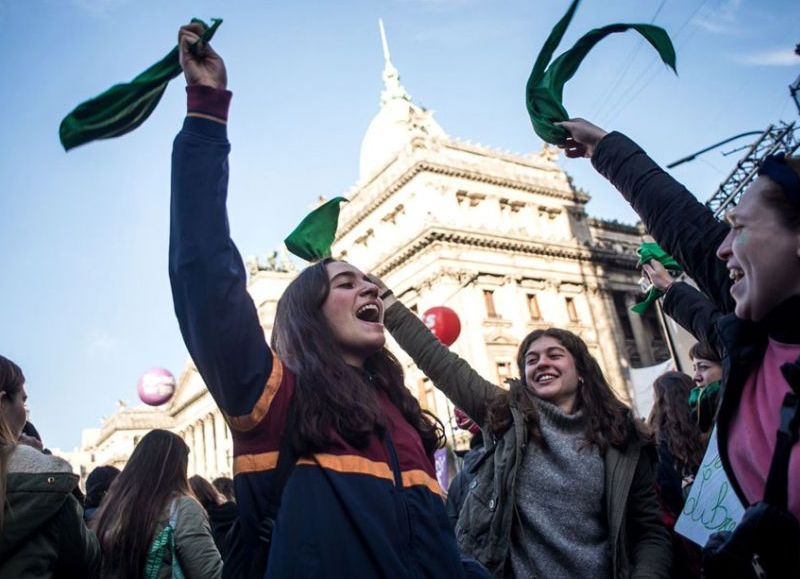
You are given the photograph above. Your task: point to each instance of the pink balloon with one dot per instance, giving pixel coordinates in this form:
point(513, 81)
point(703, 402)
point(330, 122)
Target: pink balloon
point(156, 386)
point(444, 324)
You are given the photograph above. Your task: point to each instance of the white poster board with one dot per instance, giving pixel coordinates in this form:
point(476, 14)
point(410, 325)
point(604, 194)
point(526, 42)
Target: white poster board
point(712, 504)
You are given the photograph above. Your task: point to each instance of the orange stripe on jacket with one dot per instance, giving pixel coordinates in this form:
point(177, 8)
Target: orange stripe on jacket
point(345, 464)
point(413, 478)
point(247, 422)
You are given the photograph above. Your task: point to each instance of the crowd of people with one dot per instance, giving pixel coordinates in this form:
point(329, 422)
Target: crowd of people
point(333, 457)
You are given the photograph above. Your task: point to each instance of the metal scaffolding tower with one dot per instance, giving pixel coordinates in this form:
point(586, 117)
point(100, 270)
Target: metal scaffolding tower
point(775, 138)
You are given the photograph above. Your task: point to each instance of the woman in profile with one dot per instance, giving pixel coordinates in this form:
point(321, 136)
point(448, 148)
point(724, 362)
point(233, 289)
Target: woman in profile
point(42, 533)
point(149, 523)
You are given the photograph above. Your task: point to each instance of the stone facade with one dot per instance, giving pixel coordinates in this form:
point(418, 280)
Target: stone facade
point(502, 239)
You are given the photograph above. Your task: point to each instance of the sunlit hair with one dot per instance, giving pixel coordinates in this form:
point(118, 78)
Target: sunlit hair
point(137, 500)
point(788, 213)
point(609, 422)
point(204, 492)
point(671, 421)
point(332, 396)
point(704, 351)
point(11, 382)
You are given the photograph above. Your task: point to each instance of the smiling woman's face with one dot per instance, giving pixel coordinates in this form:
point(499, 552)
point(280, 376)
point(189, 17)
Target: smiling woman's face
point(353, 312)
point(550, 372)
point(761, 253)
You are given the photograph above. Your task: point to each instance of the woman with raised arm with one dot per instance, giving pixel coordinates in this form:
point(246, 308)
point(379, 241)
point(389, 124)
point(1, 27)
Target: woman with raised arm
point(42, 533)
point(749, 264)
point(697, 315)
point(566, 487)
point(149, 524)
point(362, 500)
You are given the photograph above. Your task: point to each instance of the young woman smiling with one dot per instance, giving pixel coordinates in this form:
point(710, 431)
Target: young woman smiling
point(755, 274)
point(567, 485)
point(363, 500)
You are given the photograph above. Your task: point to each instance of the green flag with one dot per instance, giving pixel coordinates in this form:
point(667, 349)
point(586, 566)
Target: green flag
point(125, 106)
point(545, 88)
point(648, 252)
point(312, 239)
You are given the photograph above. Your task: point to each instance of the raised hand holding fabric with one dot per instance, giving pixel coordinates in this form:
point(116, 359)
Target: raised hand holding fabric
point(545, 88)
point(124, 106)
point(648, 252)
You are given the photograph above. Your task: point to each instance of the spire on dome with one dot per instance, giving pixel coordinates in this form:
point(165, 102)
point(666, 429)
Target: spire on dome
point(392, 89)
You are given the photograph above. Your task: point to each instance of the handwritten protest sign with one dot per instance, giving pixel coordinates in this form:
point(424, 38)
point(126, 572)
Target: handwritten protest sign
point(712, 504)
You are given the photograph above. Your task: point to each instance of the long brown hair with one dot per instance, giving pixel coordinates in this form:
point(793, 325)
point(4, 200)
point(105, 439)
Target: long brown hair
point(205, 492)
point(670, 419)
point(126, 521)
point(333, 396)
point(608, 421)
point(11, 381)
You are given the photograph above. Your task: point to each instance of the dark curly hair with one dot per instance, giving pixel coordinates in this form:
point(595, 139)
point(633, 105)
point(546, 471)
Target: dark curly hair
point(609, 422)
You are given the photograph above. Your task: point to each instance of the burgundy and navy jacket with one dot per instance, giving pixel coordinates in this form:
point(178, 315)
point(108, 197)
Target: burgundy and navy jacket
point(376, 512)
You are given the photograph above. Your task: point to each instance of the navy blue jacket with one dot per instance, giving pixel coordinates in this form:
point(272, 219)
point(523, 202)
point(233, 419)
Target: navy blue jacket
point(347, 513)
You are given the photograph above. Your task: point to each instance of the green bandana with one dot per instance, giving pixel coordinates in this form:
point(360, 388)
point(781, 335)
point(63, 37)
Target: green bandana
point(700, 391)
point(125, 106)
point(647, 253)
point(546, 84)
point(312, 239)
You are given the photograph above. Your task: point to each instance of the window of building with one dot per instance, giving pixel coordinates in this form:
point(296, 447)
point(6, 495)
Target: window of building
point(572, 311)
point(488, 300)
point(503, 368)
point(533, 307)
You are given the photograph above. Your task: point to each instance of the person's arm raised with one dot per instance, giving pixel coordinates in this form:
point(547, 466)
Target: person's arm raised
point(217, 317)
point(451, 374)
point(683, 226)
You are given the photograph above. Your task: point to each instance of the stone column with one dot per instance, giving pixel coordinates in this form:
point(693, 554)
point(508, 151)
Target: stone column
point(211, 450)
point(223, 468)
point(199, 449)
point(189, 440)
point(639, 332)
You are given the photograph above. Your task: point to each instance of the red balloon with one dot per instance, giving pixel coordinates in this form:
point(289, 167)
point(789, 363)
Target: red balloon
point(444, 324)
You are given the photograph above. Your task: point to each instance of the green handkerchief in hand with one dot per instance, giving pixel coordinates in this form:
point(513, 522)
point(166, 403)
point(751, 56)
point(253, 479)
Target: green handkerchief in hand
point(312, 239)
point(124, 106)
point(647, 252)
point(545, 88)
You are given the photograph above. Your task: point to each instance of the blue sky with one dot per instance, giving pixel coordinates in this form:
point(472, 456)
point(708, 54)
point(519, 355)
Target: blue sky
point(85, 306)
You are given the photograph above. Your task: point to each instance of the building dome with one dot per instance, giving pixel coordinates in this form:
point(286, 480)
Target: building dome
point(398, 121)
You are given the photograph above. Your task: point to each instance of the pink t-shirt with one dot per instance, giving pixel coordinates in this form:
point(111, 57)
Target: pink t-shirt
point(753, 428)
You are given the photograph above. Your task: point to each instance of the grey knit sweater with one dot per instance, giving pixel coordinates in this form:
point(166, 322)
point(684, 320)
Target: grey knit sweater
point(560, 528)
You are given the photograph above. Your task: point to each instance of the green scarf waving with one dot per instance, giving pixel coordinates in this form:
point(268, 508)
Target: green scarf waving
point(545, 87)
point(125, 106)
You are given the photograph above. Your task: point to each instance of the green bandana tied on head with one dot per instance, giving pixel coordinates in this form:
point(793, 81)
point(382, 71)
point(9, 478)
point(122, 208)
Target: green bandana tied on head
point(648, 252)
point(312, 239)
point(125, 106)
point(545, 87)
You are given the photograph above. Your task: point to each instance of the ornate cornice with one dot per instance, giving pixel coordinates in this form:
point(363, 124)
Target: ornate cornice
point(426, 166)
point(432, 236)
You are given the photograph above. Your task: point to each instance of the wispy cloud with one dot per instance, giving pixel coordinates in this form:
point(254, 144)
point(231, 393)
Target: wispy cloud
point(719, 19)
point(777, 57)
point(100, 343)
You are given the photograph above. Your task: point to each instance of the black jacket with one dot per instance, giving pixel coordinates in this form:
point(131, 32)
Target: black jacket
point(687, 230)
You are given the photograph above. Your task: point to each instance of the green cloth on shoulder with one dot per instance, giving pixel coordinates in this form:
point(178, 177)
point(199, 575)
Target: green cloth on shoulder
point(125, 106)
point(312, 239)
point(699, 391)
point(648, 252)
point(545, 88)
